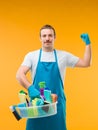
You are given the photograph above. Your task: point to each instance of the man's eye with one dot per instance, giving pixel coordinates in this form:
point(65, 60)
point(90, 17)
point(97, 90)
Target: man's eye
point(50, 35)
point(44, 35)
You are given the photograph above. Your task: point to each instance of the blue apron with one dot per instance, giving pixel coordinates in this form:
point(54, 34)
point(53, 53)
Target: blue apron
point(49, 72)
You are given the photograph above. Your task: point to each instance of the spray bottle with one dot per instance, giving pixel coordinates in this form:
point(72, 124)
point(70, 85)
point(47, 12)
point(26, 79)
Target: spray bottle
point(42, 86)
point(23, 97)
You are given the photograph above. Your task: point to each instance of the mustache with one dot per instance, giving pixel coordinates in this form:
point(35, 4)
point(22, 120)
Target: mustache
point(47, 41)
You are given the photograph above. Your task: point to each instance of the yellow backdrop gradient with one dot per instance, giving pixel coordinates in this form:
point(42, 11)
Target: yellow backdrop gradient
point(20, 21)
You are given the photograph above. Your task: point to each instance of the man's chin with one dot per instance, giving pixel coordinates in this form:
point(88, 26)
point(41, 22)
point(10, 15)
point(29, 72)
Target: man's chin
point(48, 48)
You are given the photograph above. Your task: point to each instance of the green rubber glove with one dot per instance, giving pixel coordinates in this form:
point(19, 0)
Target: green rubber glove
point(85, 38)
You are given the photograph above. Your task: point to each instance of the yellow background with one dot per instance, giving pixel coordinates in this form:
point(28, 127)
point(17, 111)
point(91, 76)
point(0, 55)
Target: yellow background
point(20, 21)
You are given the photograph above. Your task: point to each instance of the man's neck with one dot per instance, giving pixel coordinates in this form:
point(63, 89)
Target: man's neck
point(47, 49)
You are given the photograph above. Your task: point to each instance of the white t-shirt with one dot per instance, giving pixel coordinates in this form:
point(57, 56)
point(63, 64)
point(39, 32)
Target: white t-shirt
point(65, 59)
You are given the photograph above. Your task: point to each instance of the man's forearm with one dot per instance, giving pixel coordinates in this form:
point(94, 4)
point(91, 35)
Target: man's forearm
point(87, 55)
point(85, 61)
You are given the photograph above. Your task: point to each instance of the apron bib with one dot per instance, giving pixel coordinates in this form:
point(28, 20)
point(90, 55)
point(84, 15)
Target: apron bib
point(49, 72)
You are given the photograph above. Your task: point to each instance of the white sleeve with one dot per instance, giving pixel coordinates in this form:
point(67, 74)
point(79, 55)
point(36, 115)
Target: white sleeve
point(71, 60)
point(66, 59)
point(27, 61)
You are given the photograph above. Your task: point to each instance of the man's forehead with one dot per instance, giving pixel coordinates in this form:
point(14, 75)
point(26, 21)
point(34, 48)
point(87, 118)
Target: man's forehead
point(46, 31)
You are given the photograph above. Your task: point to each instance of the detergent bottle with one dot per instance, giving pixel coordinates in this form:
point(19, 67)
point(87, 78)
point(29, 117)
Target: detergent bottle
point(47, 94)
point(22, 96)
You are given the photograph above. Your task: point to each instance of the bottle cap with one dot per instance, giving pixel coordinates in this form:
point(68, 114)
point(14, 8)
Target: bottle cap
point(42, 84)
point(22, 92)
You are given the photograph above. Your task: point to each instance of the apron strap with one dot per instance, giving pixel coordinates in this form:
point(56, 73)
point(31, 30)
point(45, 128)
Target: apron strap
point(58, 67)
point(55, 55)
point(40, 54)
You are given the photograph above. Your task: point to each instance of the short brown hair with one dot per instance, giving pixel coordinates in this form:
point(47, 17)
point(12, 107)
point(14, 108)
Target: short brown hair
point(47, 26)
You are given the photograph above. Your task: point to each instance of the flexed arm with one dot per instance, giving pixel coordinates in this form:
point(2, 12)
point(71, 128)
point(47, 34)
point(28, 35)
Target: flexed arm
point(86, 60)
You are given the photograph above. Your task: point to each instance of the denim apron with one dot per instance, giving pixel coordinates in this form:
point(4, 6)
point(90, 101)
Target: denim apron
point(49, 72)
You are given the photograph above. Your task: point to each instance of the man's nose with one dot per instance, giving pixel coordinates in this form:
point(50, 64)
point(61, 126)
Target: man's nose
point(47, 37)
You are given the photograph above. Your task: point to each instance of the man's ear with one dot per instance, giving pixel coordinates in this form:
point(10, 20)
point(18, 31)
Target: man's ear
point(54, 37)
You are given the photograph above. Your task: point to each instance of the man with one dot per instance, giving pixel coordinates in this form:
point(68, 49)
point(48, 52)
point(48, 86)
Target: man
point(49, 65)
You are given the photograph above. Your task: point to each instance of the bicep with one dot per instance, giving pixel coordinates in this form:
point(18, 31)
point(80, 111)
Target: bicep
point(81, 63)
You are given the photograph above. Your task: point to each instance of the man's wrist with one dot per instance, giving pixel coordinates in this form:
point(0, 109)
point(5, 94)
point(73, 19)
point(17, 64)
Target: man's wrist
point(88, 43)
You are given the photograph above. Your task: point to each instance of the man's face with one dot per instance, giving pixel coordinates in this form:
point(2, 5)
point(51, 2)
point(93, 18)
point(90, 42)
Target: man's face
point(47, 38)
